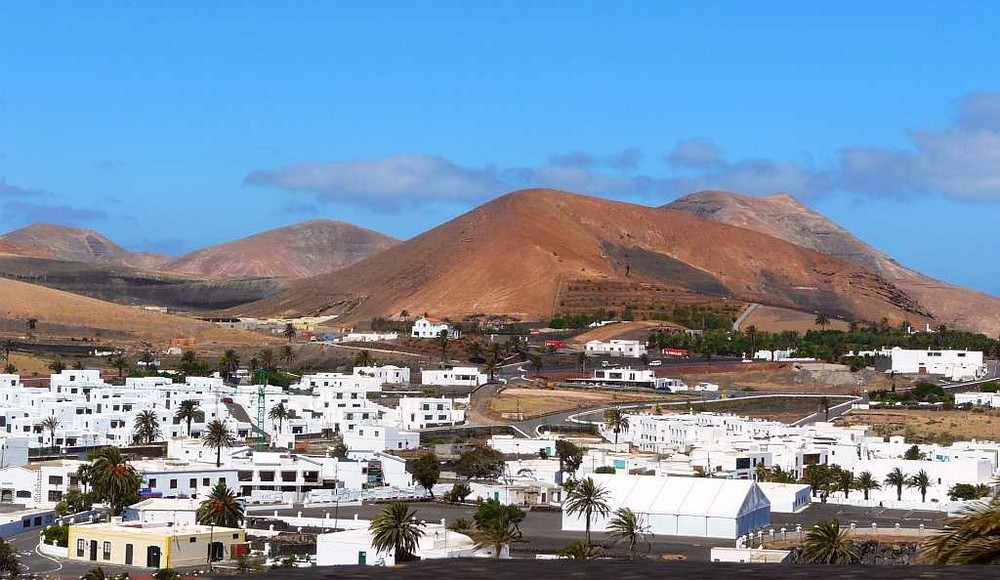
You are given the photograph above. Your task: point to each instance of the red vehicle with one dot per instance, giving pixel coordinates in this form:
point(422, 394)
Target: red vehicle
point(554, 343)
point(679, 352)
point(227, 399)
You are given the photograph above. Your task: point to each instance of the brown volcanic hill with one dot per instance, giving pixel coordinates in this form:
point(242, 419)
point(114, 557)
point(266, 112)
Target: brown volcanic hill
point(64, 315)
point(519, 253)
point(79, 245)
point(782, 216)
point(301, 250)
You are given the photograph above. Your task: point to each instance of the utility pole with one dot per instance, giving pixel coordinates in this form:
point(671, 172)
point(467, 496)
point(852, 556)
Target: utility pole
point(260, 377)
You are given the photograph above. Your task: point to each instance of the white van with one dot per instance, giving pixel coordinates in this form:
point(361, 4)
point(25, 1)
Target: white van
point(655, 363)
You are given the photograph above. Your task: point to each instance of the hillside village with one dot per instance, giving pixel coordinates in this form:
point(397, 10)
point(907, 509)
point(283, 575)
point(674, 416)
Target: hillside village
point(121, 470)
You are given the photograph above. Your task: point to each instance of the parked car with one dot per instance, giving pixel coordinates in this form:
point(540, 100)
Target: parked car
point(605, 364)
point(227, 399)
point(655, 363)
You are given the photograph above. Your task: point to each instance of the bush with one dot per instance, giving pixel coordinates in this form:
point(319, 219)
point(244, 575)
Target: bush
point(605, 469)
point(458, 493)
point(58, 535)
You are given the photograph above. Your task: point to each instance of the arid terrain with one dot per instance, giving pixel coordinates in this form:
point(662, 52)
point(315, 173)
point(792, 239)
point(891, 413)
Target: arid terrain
point(929, 425)
point(532, 402)
point(514, 254)
point(784, 217)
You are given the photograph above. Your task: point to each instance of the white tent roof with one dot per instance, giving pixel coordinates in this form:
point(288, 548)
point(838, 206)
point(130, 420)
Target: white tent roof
point(681, 495)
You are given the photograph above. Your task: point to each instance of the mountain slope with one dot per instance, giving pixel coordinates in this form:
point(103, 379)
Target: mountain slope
point(519, 253)
point(301, 250)
point(78, 245)
point(782, 216)
point(64, 315)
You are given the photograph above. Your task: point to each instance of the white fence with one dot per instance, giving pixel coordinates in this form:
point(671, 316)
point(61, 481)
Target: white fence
point(934, 506)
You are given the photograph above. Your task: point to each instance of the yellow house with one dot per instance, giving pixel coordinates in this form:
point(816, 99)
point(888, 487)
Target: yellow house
point(153, 545)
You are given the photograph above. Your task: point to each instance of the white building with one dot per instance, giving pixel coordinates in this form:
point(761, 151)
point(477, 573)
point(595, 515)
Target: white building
point(978, 399)
point(786, 498)
point(955, 365)
point(432, 328)
point(354, 547)
point(155, 510)
point(682, 506)
point(455, 376)
point(373, 437)
point(617, 348)
point(629, 377)
point(369, 337)
point(417, 413)
point(386, 373)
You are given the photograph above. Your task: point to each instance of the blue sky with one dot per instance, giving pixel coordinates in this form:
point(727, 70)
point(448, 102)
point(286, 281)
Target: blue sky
point(170, 126)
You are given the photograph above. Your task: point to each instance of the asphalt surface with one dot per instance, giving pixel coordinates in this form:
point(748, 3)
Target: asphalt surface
point(487, 568)
point(543, 532)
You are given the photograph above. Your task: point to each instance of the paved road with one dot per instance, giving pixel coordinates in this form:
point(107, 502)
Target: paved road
point(543, 529)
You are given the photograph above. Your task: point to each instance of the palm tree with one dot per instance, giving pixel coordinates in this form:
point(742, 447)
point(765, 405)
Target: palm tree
point(581, 359)
point(217, 436)
point(147, 427)
point(897, 479)
point(5, 349)
point(822, 321)
point(463, 526)
point(288, 354)
point(865, 482)
point(31, 324)
point(57, 366)
point(267, 359)
point(628, 527)
point(289, 331)
point(396, 531)
point(113, 479)
point(970, 537)
point(9, 369)
point(752, 335)
point(827, 543)
point(845, 481)
point(229, 362)
point(121, 364)
point(921, 481)
point(364, 359)
point(589, 499)
point(278, 413)
point(617, 421)
point(443, 340)
point(220, 508)
point(98, 573)
point(8, 560)
point(491, 367)
point(578, 550)
point(188, 411)
point(498, 532)
point(51, 423)
point(824, 404)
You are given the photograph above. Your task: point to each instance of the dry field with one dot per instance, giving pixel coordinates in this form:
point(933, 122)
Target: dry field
point(641, 329)
point(774, 319)
point(62, 315)
point(784, 409)
point(786, 379)
point(929, 425)
point(535, 402)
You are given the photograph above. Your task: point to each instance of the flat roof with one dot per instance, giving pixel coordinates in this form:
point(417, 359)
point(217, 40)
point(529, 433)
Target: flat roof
point(158, 530)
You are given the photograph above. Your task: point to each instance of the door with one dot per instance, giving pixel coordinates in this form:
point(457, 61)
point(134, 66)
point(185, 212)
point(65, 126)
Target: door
point(153, 557)
point(7, 496)
point(362, 558)
point(216, 551)
point(128, 554)
point(93, 550)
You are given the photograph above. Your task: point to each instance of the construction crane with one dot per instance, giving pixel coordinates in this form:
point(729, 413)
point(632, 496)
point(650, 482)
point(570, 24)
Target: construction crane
point(260, 379)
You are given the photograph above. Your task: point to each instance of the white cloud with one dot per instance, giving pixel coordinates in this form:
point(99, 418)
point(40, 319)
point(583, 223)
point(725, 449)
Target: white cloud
point(694, 154)
point(384, 180)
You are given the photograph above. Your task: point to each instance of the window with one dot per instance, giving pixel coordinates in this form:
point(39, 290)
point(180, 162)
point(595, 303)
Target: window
point(192, 540)
point(81, 547)
point(152, 482)
point(106, 551)
point(173, 484)
point(193, 482)
point(267, 476)
point(55, 480)
point(26, 523)
point(222, 480)
point(204, 481)
point(55, 495)
point(236, 536)
point(128, 554)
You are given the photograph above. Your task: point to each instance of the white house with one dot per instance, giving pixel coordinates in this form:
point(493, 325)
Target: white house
point(156, 510)
point(432, 328)
point(614, 347)
point(423, 412)
point(374, 437)
point(455, 376)
point(682, 506)
point(629, 377)
point(386, 373)
point(354, 547)
point(978, 399)
point(952, 364)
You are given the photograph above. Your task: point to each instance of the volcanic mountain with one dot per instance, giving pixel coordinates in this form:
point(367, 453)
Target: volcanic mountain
point(782, 216)
point(301, 250)
point(536, 252)
point(77, 245)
